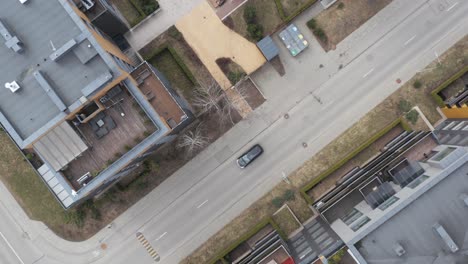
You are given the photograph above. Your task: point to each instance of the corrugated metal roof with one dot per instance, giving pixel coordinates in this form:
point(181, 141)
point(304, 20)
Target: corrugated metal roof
point(268, 48)
point(60, 146)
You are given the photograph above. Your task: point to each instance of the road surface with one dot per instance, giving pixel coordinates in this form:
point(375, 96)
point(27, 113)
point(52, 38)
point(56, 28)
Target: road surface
point(209, 191)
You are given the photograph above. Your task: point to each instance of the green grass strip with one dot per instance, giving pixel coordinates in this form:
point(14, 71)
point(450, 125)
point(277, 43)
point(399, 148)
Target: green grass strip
point(177, 59)
point(288, 19)
point(351, 155)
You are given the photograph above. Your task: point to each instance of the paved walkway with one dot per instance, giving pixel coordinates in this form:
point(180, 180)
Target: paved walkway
point(171, 11)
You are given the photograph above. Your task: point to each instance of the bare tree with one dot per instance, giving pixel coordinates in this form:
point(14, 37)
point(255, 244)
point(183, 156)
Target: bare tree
point(212, 98)
point(193, 140)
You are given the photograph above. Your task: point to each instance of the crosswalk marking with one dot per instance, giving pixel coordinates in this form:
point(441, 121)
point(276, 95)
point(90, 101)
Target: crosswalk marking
point(146, 244)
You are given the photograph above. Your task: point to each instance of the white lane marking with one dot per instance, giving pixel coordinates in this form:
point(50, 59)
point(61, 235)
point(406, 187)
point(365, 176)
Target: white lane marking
point(409, 40)
point(12, 249)
point(161, 236)
point(367, 74)
point(200, 205)
point(454, 5)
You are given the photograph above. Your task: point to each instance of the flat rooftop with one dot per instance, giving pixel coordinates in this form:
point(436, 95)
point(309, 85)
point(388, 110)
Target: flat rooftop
point(44, 28)
point(412, 227)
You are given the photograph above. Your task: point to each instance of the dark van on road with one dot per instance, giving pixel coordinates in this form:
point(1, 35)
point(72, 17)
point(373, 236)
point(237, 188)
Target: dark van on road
point(249, 156)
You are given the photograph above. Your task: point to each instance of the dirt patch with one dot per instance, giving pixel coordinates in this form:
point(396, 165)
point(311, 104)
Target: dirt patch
point(292, 6)
point(212, 40)
point(251, 94)
point(232, 70)
point(267, 16)
point(286, 221)
point(344, 17)
point(358, 160)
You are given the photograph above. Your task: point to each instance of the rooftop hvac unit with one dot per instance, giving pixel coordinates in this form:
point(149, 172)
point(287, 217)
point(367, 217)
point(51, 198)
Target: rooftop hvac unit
point(440, 230)
point(13, 86)
point(464, 198)
point(399, 250)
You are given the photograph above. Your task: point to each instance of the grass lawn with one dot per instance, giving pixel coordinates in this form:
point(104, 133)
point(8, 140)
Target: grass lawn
point(338, 23)
point(267, 16)
point(292, 6)
point(27, 187)
point(130, 13)
point(453, 60)
point(286, 221)
point(166, 63)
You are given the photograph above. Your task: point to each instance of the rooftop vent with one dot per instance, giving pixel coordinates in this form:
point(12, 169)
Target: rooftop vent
point(13, 86)
point(23, 1)
point(399, 250)
point(12, 42)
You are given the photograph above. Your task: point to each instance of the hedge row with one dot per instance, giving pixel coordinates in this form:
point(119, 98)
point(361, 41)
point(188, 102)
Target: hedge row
point(436, 91)
point(177, 59)
point(351, 155)
point(268, 221)
point(288, 19)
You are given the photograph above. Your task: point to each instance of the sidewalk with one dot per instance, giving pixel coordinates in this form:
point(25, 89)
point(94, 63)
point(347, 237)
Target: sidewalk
point(171, 11)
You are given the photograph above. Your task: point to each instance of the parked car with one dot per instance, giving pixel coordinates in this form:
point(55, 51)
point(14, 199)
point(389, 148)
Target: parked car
point(245, 159)
point(220, 2)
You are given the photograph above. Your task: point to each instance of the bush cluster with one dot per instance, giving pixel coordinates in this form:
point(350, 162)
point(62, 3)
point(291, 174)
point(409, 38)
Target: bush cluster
point(288, 195)
point(318, 31)
point(254, 30)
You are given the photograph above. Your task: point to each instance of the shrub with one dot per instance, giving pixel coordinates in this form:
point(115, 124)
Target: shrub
point(277, 202)
point(29, 156)
point(255, 31)
point(289, 195)
point(75, 217)
point(404, 105)
point(127, 147)
point(250, 14)
point(175, 33)
point(312, 24)
point(321, 34)
point(417, 84)
point(336, 258)
point(412, 116)
point(235, 77)
point(340, 5)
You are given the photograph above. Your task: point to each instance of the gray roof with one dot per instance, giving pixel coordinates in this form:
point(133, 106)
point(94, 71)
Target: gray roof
point(58, 61)
point(60, 146)
point(268, 48)
point(412, 227)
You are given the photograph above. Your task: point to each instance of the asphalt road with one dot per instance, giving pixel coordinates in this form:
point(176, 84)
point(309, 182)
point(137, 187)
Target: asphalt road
point(210, 191)
point(222, 194)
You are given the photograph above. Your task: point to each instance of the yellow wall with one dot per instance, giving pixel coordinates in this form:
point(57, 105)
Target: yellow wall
point(456, 112)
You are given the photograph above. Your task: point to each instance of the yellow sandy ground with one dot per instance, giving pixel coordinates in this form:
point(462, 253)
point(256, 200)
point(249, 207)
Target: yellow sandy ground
point(211, 39)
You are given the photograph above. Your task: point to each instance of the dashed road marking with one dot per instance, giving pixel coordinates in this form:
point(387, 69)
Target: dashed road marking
point(369, 72)
point(151, 251)
point(200, 205)
point(451, 7)
point(161, 236)
point(409, 40)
